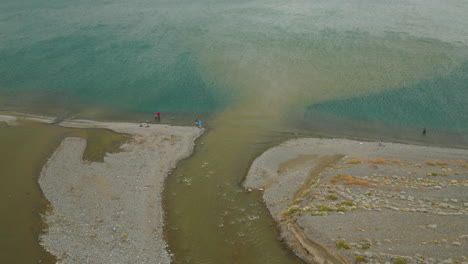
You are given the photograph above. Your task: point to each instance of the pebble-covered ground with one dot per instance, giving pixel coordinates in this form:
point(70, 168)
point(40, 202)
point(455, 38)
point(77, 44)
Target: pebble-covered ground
point(368, 202)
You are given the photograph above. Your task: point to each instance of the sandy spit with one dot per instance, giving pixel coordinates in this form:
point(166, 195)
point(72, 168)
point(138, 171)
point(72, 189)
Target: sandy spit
point(344, 201)
point(12, 119)
point(111, 212)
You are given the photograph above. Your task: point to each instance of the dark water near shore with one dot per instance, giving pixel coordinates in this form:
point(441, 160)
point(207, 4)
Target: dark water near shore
point(258, 71)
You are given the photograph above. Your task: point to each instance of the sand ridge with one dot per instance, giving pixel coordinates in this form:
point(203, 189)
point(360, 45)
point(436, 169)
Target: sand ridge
point(12, 118)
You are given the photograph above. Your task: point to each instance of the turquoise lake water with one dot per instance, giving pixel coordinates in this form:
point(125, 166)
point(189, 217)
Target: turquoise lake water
point(438, 102)
point(204, 56)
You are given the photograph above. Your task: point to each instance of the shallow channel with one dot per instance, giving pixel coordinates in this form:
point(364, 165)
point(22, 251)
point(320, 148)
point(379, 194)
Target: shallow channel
point(209, 216)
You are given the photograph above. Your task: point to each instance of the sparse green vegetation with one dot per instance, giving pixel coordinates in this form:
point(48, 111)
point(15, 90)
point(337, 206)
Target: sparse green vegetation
point(332, 196)
point(323, 208)
point(341, 209)
point(317, 213)
point(365, 246)
point(360, 258)
point(348, 203)
point(342, 244)
point(399, 261)
point(292, 210)
point(298, 200)
point(370, 193)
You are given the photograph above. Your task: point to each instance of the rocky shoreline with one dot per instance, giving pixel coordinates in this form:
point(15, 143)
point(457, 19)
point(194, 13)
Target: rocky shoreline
point(111, 212)
point(344, 201)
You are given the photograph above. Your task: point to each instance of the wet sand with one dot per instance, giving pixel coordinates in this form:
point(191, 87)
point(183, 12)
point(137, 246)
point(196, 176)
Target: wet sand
point(111, 212)
point(344, 201)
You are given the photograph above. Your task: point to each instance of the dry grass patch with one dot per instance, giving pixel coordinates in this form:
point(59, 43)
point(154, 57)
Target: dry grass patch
point(395, 161)
point(379, 161)
point(354, 161)
point(436, 162)
point(350, 180)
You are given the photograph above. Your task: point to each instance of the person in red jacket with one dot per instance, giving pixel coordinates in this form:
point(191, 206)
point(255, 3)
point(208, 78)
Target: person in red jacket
point(157, 116)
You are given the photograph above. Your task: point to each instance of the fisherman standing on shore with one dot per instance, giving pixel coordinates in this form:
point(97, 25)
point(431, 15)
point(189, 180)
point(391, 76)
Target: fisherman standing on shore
point(157, 116)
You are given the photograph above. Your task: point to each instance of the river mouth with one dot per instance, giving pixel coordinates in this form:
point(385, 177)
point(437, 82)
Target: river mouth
point(210, 218)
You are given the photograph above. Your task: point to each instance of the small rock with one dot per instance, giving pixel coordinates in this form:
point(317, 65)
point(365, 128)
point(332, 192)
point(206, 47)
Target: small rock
point(456, 243)
point(445, 205)
point(454, 200)
point(432, 226)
